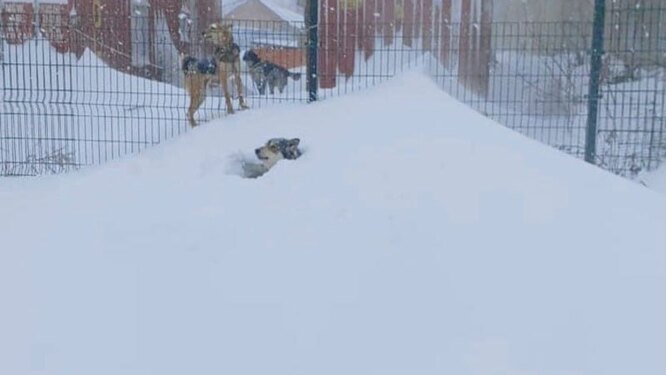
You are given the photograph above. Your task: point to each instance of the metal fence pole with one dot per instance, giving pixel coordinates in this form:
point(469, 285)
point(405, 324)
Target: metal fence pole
point(2, 58)
point(595, 78)
point(2, 45)
point(311, 25)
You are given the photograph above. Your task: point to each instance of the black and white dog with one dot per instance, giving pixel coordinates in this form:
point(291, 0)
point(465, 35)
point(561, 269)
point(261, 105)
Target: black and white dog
point(269, 154)
point(277, 149)
point(265, 72)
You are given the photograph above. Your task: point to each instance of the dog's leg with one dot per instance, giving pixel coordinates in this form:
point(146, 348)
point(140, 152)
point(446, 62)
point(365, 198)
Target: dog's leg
point(223, 96)
point(197, 97)
point(262, 86)
point(224, 77)
point(239, 84)
point(188, 88)
point(192, 83)
point(256, 80)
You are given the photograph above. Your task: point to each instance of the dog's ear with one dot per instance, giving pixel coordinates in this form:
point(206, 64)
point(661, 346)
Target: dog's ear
point(294, 142)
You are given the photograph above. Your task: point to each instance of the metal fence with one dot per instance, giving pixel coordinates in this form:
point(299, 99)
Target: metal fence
point(540, 77)
point(81, 90)
point(76, 95)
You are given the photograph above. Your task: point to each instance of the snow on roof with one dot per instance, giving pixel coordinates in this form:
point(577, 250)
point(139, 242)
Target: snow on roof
point(229, 5)
point(282, 12)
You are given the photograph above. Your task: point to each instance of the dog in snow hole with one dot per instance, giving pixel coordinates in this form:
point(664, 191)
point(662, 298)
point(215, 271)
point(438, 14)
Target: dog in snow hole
point(269, 154)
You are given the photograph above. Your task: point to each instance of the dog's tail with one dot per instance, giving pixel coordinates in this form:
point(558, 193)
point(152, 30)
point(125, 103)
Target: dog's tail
point(294, 76)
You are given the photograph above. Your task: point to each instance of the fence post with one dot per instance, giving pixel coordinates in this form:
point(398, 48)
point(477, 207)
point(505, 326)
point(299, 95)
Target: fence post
point(595, 80)
point(2, 53)
point(311, 25)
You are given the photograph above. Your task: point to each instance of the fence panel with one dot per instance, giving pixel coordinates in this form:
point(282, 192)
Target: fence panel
point(632, 120)
point(79, 91)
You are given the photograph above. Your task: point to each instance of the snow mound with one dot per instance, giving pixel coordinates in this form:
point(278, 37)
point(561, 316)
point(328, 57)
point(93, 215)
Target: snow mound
point(414, 237)
point(656, 180)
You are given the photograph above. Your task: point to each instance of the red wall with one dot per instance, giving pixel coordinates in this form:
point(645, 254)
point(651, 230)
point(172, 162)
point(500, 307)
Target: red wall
point(104, 26)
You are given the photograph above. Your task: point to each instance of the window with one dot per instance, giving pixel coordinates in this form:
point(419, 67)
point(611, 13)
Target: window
point(140, 29)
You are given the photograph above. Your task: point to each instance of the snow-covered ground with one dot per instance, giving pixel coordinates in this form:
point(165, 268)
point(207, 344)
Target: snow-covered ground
point(419, 240)
point(544, 98)
point(54, 103)
point(656, 180)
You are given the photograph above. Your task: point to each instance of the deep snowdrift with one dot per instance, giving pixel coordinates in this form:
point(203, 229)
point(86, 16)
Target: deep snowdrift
point(413, 237)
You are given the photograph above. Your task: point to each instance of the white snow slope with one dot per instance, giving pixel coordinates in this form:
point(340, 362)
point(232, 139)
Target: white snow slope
point(656, 180)
point(413, 237)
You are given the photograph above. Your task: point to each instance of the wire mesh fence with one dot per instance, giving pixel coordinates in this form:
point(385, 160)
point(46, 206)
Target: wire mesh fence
point(536, 82)
point(533, 77)
point(539, 77)
point(81, 89)
point(72, 96)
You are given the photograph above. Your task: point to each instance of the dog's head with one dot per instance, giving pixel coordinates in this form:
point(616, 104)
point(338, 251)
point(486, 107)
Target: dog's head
point(277, 149)
point(251, 57)
point(219, 34)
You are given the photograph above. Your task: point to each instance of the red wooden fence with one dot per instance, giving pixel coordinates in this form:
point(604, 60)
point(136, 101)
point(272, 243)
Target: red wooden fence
point(450, 29)
point(103, 26)
point(457, 32)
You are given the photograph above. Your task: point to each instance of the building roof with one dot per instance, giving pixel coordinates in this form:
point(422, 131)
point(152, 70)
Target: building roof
point(282, 12)
point(229, 5)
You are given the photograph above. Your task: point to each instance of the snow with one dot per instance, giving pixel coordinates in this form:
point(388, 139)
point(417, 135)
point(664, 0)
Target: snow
point(414, 236)
point(276, 42)
point(543, 97)
point(286, 10)
point(103, 113)
point(284, 13)
point(230, 5)
point(656, 180)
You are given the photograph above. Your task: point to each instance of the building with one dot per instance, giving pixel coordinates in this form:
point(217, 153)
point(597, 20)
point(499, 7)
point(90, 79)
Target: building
point(275, 31)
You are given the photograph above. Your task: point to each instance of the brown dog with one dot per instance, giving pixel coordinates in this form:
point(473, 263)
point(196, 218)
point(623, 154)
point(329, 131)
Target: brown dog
point(199, 73)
